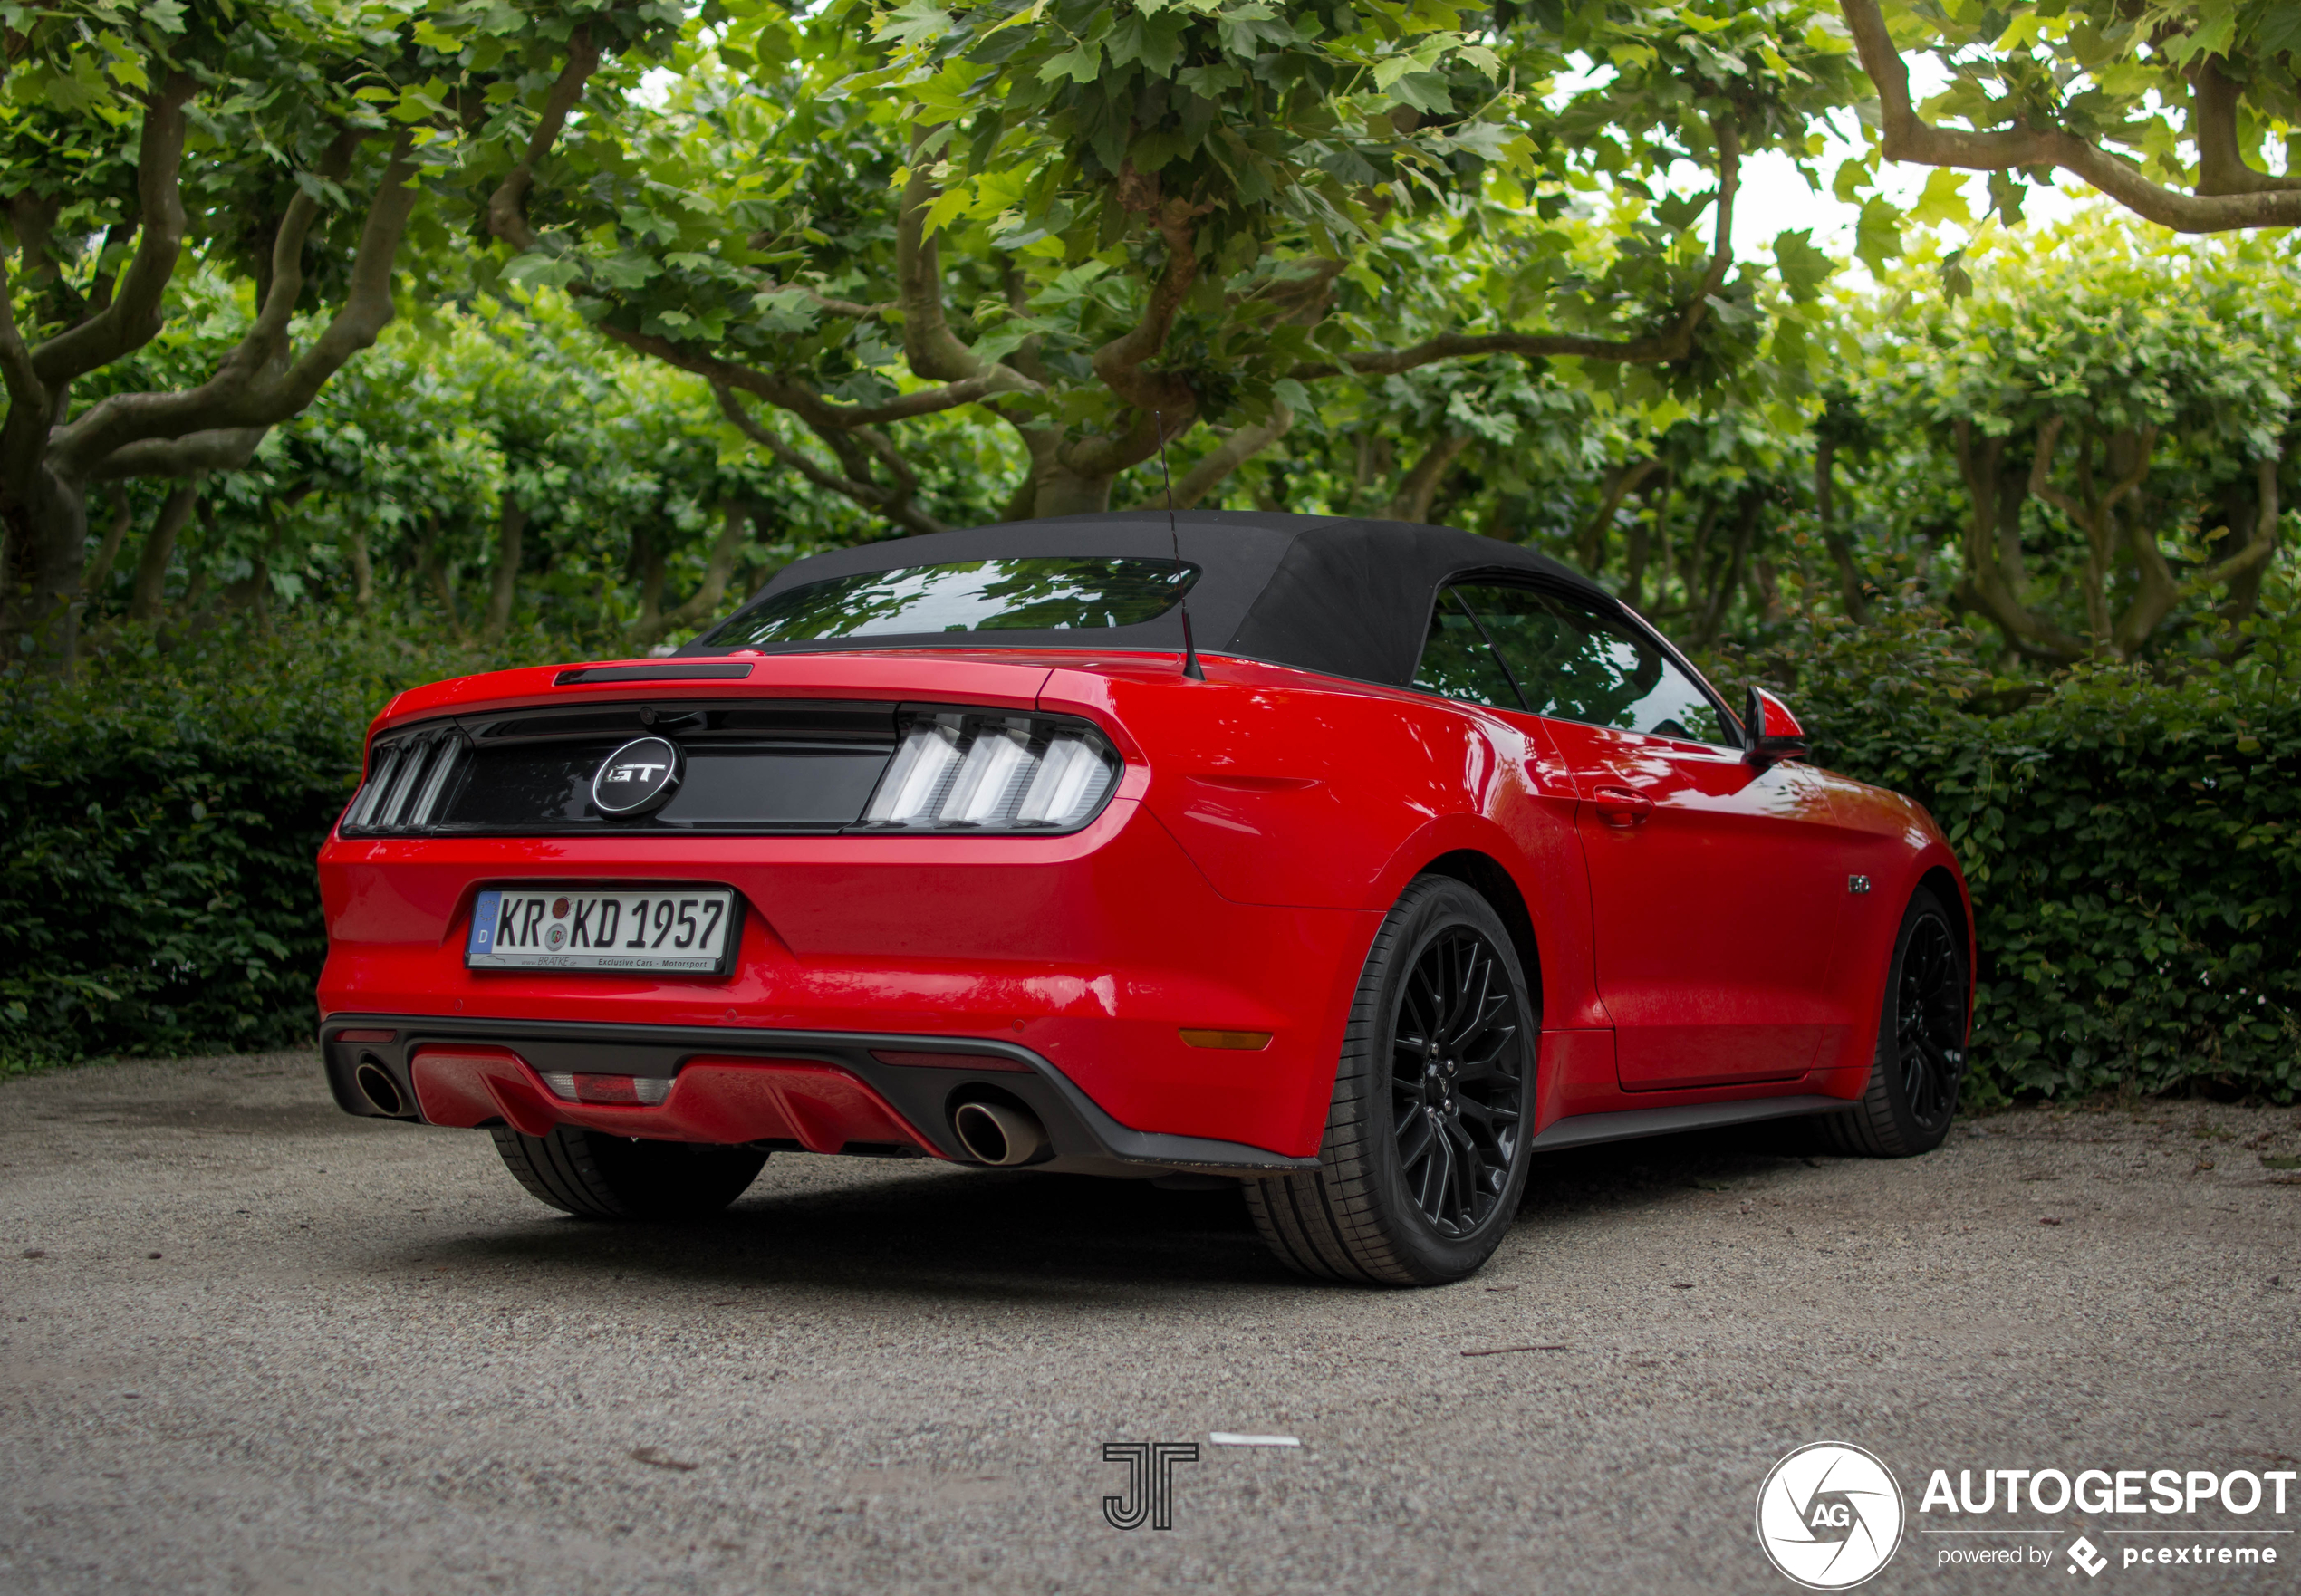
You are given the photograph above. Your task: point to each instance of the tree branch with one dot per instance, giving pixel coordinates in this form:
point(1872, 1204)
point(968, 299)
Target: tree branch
point(894, 505)
point(1212, 470)
point(229, 400)
point(1988, 584)
point(929, 345)
point(1905, 135)
point(17, 370)
point(133, 317)
point(508, 206)
point(1420, 486)
point(2260, 547)
point(1120, 362)
point(1675, 344)
point(1626, 482)
point(735, 519)
point(224, 448)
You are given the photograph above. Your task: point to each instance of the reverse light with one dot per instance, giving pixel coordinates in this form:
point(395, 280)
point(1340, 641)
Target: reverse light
point(647, 1091)
point(959, 771)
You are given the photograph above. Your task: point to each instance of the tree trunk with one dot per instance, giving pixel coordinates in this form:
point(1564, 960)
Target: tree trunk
point(1721, 595)
point(149, 600)
point(735, 522)
point(363, 571)
point(648, 557)
point(1841, 547)
point(1412, 501)
point(1620, 487)
point(511, 527)
point(47, 519)
point(108, 552)
point(2245, 583)
point(1059, 491)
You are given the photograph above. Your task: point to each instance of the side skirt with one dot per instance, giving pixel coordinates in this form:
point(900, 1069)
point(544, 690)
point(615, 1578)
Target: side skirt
point(1588, 1130)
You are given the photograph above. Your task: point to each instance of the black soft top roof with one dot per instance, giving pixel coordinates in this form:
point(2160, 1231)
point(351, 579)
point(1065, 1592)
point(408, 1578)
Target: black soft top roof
point(1343, 597)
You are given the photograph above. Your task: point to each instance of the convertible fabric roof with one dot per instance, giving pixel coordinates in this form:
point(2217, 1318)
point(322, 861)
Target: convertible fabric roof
point(1343, 597)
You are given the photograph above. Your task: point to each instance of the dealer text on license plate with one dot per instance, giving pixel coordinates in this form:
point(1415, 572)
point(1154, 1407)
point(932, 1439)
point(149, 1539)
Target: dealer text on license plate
point(671, 927)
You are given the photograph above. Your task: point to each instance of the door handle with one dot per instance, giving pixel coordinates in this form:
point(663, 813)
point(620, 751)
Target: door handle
point(1622, 808)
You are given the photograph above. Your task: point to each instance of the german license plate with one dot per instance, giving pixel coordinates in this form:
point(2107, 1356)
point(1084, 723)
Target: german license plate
point(672, 928)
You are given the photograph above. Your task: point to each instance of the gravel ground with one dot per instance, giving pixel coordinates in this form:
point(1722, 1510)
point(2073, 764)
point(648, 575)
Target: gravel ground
point(248, 1344)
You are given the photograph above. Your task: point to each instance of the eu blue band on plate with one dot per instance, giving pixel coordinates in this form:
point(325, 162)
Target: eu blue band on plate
point(483, 920)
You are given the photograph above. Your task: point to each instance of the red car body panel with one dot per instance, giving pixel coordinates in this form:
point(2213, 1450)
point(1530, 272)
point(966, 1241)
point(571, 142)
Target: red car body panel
point(1694, 935)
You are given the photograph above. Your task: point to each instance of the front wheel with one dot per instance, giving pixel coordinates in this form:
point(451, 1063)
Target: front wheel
point(1425, 1154)
point(1920, 1059)
point(596, 1176)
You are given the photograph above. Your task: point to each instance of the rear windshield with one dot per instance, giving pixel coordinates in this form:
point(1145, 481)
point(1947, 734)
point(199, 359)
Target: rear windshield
point(1042, 593)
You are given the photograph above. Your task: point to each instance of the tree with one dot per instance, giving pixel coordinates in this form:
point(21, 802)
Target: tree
point(2164, 108)
point(2101, 401)
point(1104, 225)
point(285, 144)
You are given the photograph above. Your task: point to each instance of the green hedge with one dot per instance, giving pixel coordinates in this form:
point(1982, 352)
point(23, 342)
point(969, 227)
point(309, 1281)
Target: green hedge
point(157, 895)
point(2134, 849)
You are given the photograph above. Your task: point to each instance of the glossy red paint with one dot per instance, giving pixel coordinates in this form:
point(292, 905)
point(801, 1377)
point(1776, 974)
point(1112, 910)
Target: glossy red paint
point(821, 1108)
point(1693, 936)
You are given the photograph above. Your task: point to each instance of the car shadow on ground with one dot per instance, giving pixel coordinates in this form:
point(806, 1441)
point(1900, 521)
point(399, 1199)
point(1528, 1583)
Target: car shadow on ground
point(999, 1236)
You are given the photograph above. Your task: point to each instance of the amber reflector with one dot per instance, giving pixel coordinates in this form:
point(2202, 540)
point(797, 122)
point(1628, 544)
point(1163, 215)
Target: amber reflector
point(1237, 1041)
point(952, 1060)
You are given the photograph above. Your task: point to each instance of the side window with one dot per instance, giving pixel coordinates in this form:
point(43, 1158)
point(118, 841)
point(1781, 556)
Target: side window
point(1457, 662)
point(1576, 664)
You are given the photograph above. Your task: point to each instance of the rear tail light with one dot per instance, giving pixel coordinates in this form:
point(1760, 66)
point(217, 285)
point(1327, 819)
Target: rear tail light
point(971, 771)
point(406, 777)
point(644, 1090)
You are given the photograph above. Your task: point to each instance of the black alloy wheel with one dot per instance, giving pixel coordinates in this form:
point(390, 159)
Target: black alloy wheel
point(1920, 1063)
point(1425, 1155)
point(1458, 1092)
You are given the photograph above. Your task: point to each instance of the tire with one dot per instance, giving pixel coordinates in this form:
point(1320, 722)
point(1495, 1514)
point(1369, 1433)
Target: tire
point(1421, 1168)
point(595, 1175)
point(1920, 1061)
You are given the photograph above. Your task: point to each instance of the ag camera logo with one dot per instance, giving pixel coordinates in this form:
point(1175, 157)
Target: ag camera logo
point(1829, 1515)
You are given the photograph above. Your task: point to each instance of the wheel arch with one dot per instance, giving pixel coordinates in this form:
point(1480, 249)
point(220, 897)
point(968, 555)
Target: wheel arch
point(1945, 884)
point(1485, 875)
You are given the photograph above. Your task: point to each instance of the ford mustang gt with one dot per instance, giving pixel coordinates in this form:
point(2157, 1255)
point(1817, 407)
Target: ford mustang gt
point(1353, 862)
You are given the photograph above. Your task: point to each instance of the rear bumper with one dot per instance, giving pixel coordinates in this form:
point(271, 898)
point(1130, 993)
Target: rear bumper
point(1093, 952)
point(823, 1092)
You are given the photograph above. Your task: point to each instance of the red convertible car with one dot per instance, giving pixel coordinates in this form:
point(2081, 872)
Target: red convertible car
point(1428, 858)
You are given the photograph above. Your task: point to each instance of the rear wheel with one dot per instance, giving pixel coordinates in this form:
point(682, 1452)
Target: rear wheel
point(1425, 1153)
point(1920, 1061)
point(601, 1176)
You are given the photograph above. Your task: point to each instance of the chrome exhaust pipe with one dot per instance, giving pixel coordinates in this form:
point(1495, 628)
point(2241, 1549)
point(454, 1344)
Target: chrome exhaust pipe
point(376, 1085)
point(999, 1135)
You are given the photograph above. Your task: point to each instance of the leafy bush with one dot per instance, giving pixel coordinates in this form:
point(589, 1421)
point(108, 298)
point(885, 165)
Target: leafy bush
point(158, 893)
point(2132, 845)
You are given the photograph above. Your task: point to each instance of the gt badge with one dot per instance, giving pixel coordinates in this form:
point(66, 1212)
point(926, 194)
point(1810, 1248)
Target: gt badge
point(636, 778)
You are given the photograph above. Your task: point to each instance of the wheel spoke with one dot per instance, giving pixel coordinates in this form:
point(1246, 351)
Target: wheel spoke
point(1457, 1078)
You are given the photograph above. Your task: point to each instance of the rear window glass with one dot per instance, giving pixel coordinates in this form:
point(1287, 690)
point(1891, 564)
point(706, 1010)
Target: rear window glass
point(1040, 593)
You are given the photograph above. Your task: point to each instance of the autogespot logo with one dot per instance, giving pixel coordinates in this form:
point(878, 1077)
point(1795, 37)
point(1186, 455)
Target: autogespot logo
point(1829, 1515)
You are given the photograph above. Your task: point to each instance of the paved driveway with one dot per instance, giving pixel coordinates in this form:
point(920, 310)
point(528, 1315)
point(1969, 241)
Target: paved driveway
point(248, 1344)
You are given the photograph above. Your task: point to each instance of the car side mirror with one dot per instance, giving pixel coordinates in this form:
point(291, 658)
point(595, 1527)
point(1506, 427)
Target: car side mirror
point(1770, 733)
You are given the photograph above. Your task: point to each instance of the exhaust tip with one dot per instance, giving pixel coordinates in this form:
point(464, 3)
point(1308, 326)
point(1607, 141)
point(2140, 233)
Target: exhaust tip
point(376, 1085)
point(999, 1135)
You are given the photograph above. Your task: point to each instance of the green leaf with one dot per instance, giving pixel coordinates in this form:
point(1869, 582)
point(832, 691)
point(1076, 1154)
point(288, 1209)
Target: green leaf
point(1877, 238)
point(1804, 268)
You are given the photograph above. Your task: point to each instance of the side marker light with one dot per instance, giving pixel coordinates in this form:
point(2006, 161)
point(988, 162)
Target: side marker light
point(1233, 1041)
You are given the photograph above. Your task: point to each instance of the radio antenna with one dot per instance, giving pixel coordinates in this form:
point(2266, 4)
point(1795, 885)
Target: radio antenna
point(1190, 649)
